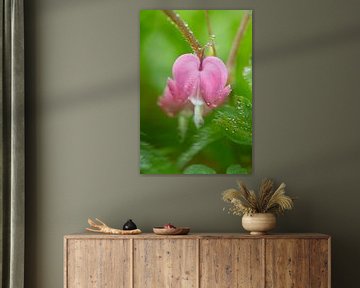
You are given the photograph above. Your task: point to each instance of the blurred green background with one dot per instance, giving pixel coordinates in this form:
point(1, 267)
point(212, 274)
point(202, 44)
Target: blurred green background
point(170, 145)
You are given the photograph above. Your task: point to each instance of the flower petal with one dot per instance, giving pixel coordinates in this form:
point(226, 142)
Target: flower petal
point(213, 78)
point(186, 75)
point(169, 102)
point(222, 96)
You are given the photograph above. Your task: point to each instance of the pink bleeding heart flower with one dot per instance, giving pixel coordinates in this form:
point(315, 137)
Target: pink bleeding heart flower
point(198, 85)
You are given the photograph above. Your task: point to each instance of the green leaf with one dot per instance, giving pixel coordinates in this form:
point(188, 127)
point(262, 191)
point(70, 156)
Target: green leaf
point(236, 169)
point(199, 169)
point(204, 136)
point(233, 122)
point(236, 122)
point(153, 161)
point(244, 105)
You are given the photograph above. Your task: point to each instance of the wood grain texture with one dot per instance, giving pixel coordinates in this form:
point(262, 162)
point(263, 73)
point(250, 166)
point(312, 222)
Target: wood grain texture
point(231, 263)
point(98, 264)
point(166, 263)
point(197, 260)
point(287, 263)
point(88, 235)
point(319, 263)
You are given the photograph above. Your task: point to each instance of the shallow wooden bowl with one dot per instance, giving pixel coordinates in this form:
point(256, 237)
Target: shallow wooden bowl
point(171, 231)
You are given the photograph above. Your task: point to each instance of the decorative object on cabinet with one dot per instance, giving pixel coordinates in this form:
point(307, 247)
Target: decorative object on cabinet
point(100, 227)
point(258, 223)
point(258, 209)
point(197, 260)
point(129, 225)
point(171, 231)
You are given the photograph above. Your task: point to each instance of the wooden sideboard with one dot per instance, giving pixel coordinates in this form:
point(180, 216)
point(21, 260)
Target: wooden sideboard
point(197, 260)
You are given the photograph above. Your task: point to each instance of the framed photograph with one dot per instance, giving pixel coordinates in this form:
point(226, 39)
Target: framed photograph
point(196, 91)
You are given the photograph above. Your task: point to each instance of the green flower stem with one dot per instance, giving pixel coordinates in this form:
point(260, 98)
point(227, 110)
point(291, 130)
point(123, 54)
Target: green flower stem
point(185, 31)
point(237, 40)
point(210, 31)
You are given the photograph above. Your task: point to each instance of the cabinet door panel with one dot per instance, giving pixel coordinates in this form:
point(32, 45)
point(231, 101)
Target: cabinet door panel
point(287, 263)
point(98, 264)
point(319, 263)
point(165, 263)
point(231, 263)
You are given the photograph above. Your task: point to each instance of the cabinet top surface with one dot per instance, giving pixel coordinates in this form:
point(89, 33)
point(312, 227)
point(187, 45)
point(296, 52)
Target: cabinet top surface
point(86, 235)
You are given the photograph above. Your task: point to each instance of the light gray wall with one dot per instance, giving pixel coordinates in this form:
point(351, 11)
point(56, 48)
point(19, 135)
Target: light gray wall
point(83, 126)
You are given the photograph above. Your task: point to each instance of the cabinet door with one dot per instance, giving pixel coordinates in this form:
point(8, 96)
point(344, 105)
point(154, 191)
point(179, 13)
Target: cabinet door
point(231, 263)
point(287, 263)
point(165, 263)
point(98, 263)
point(320, 263)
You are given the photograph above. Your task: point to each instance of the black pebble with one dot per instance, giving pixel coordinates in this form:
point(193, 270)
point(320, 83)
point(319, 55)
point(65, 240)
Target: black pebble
point(129, 225)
